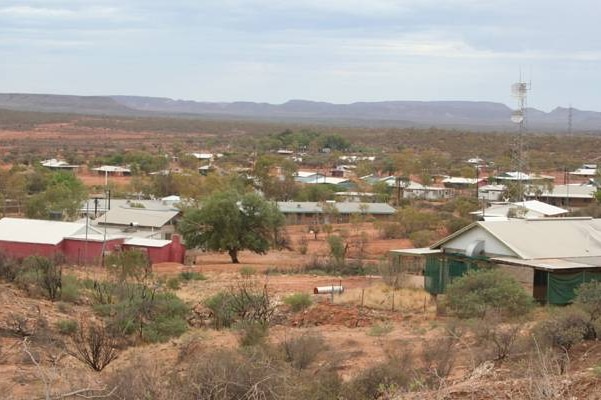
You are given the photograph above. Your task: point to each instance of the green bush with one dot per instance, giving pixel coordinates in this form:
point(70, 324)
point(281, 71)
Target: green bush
point(298, 301)
point(245, 302)
point(588, 298)
point(66, 326)
point(422, 238)
point(163, 328)
point(70, 289)
point(479, 292)
point(173, 283)
point(192, 276)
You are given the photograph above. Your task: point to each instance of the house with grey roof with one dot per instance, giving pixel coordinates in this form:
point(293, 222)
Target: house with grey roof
point(569, 196)
point(549, 256)
point(306, 212)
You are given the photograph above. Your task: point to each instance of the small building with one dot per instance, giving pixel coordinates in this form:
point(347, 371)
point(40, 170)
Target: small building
point(491, 192)
point(569, 196)
point(549, 256)
point(58, 165)
point(306, 212)
point(522, 209)
point(160, 224)
point(415, 190)
point(457, 182)
point(586, 171)
point(112, 170)
point(77, 243)
point(522, 177)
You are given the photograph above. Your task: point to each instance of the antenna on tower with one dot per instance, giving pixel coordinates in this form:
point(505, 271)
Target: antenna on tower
point(519, 91)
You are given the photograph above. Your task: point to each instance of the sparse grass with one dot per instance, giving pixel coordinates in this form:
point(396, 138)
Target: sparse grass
point(247, 272)
point(192, 276)
point(380, 329)
point(380, 296)
point(66, 326)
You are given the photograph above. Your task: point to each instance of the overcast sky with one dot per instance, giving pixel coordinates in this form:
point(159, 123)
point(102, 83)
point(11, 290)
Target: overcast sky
point(339, 51)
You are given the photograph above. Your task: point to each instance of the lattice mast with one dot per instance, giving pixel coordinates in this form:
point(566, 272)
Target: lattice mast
point(519, 91)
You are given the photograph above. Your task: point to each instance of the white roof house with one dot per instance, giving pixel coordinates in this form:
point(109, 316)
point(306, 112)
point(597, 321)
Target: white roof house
point(40, 231)
point(128, 216)
point(551, 256)
point(521, 209)
point(530, 239)
point(203, 156)
point(53, 163)
point(347, 207)
point(112, 169)
point(585, 172)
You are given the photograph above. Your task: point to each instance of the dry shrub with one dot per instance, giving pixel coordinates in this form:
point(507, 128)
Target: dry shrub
point(381, 380)
point(94, 346)
point(227, 374)
point(301, 351)
point(497, 339)
point(143, 378)
point(439, 358)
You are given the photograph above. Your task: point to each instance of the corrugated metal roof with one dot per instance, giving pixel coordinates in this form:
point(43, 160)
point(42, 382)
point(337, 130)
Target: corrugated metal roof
point(572, 191)
point(544, 237)
point(137, 216)
point(533, 209)
point(308, 207)
point(154, 205)
point(549, 264)
point(136, 241)
point(420, 251)
point(38, 231)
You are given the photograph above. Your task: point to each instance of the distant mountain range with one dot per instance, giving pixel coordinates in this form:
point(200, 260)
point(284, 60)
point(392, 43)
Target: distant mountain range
point(449, 114)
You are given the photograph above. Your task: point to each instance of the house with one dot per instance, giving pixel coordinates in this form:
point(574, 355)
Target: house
point(358, 197)
point(203, 156)
point(312, 178)
point(77, 243)
point(415, 190)
point(585, 171)
point(457, 182)
point(522, 177)
point(112, 170)
point(549, 256)
point(155, 223)
point(520, 209)
point(306, 212)
point(491, 192)
point(59, 165)
point(569, 196)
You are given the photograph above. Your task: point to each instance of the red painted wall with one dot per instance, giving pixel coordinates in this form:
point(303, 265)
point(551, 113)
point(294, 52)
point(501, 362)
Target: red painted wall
point(77, 252)
point(22, 250)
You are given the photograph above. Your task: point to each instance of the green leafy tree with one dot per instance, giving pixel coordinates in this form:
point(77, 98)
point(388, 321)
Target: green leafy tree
point(64, 193)
point(480, 292)
point(232, 222)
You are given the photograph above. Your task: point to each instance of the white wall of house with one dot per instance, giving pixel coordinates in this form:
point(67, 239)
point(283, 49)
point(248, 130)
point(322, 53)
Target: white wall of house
point(492, 246)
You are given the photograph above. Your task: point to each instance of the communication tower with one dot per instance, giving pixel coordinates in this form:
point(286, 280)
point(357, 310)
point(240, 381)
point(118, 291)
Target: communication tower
point(519, 91)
